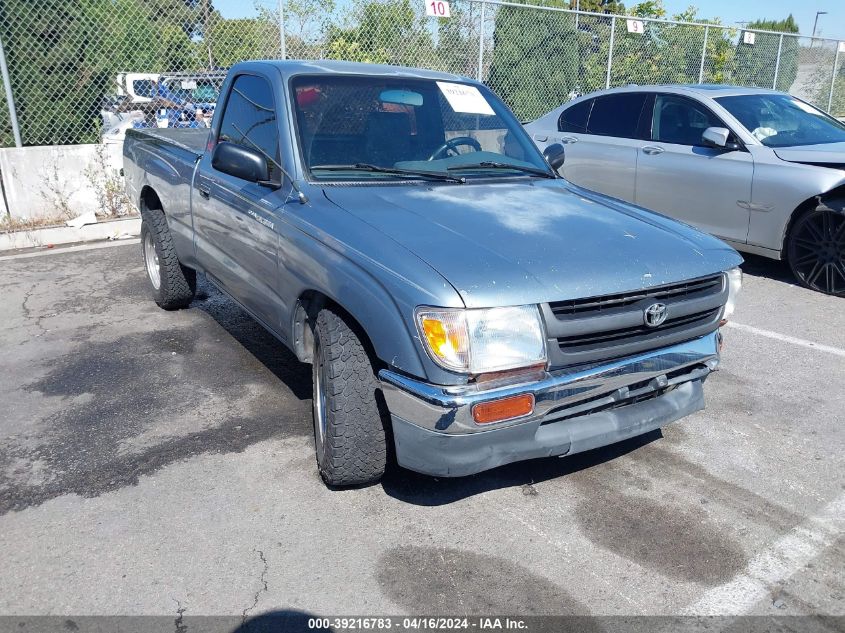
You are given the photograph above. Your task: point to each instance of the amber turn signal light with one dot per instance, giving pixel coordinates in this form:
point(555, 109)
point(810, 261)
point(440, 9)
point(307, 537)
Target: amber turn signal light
point(503, 409)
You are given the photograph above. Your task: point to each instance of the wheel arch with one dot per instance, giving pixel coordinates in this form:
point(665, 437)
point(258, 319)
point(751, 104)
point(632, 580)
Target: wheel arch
point(836, 198)
point(149, 199)
point(308, 306)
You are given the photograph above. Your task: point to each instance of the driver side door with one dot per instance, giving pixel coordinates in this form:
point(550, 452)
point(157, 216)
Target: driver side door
point(678, 175)
point(235, 220)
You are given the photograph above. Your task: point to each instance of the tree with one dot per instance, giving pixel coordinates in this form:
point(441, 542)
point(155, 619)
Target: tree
point(387, 31)
point(535, 59)
point(308, 20)
point(598, 6)
point(64, 55)
point(457, 40)
point(755, 63)
point(665, 52)
point(233, 41)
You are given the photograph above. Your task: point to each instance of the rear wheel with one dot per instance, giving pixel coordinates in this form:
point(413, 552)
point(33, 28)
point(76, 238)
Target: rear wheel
point(349, 432)
point(816, 251)
point(173, 284)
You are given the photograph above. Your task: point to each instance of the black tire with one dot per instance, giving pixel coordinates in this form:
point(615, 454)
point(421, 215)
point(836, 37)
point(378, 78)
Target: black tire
point(816, 250)
point(349, 431)
point(173, 284)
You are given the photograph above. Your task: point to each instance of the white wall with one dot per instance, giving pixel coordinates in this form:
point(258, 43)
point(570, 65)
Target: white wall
point(38, 181)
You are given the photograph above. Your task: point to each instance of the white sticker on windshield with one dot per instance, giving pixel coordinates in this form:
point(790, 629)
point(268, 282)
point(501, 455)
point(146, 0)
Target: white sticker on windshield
point(465, 98)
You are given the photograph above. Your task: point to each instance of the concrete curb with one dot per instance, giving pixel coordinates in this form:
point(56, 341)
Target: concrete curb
point(105, 230)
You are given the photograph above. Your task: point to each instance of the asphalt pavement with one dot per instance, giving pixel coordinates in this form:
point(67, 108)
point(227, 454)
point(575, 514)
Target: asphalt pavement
point(162, 463)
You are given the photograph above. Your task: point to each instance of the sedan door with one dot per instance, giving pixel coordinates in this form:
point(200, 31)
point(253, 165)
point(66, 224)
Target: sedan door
point(679, 176)
point(600, 138)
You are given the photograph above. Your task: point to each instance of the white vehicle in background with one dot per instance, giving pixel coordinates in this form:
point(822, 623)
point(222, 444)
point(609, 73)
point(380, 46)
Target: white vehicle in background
point(160, 100)
point(763, 170)
point(133, 89)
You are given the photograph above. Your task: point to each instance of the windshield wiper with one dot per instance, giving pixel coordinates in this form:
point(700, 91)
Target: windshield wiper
point(429, 175)
point(489, 164)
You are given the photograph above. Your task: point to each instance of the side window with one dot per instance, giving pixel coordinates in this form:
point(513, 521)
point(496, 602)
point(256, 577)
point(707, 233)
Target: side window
point(616, 114)
point(250, 118)
point(681, 121)
point(574, 118)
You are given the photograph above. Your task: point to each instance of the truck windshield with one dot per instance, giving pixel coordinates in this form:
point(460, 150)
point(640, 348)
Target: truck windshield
point(346, 126)
point(778, 120)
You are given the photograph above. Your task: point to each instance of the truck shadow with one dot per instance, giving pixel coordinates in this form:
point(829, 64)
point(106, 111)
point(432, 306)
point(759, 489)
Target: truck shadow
point(254, 338)
point(423, 490)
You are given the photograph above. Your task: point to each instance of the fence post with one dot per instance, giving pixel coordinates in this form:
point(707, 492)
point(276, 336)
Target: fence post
point(833, 79)
point(777, 63)
point(703, 56)
point(7, 84)
point(478, 72)
point(610, 50)
point(282, 46)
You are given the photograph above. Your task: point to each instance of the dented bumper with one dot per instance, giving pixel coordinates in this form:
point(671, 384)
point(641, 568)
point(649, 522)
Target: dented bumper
point(575, 410)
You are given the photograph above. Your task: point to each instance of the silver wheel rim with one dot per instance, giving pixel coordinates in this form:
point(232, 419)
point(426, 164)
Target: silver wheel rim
point(319, 399)
point(151, 260)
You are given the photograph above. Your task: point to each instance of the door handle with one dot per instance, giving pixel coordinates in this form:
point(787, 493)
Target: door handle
point(652, 150)
point(568, 140)
point(205, 192)
point(541, 138)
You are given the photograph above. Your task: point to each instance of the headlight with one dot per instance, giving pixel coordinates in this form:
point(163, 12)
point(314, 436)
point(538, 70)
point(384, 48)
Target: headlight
point(481, 341)
point(734, 276)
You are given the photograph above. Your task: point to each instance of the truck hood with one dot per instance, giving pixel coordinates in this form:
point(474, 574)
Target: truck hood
point(824, 154)
point(521, 242)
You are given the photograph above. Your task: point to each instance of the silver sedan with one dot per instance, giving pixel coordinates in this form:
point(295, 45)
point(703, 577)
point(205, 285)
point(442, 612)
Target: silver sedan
point(760, 169)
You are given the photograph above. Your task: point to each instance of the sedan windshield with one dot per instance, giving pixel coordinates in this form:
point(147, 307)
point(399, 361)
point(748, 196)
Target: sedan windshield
point(388, 128)
point(778, 120)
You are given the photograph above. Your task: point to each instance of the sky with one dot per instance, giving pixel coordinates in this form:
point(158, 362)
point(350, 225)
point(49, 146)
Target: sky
point(729, 11)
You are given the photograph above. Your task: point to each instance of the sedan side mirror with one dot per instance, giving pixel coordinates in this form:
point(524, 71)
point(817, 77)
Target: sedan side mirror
point(240, 162)
point(716, 137)
point(555, 155)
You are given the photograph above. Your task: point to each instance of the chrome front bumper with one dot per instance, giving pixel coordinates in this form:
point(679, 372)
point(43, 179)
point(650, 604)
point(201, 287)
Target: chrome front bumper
point(559, 394)
point(575, 410)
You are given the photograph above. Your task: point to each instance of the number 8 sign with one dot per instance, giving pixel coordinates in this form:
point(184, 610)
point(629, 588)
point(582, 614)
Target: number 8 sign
point(437, 9)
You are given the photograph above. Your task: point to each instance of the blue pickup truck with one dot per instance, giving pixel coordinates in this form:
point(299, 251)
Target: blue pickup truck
point(461, 305)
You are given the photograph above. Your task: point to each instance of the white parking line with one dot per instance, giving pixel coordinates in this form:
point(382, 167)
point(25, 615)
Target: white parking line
point(72, 249)
point(787, 556)
point(838, 351)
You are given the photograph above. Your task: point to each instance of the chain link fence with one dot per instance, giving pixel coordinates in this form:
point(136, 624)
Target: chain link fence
point(78, 70)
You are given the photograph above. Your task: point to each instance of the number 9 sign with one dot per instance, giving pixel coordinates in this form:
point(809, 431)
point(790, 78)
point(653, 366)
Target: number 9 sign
point(437, 8)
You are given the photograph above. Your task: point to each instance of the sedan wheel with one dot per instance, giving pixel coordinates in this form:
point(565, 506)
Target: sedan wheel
point(816, 251)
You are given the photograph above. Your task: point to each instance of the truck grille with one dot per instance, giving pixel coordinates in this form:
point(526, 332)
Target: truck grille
point(612, 326)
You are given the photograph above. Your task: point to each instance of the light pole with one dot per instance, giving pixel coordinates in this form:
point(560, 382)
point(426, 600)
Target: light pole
point(815, 24)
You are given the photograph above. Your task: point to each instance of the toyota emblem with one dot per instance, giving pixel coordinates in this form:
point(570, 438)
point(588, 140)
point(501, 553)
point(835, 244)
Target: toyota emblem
point(655, 314)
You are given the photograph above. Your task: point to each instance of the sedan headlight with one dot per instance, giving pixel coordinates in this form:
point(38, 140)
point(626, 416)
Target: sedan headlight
point(483, 340)
point(734, 276)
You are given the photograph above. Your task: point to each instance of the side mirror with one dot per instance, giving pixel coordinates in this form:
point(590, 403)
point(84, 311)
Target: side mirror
point(555, 155)
point(716, 137)
point(240, 162)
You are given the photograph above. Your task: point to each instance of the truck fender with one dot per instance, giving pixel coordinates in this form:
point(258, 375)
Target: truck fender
point(378, 311)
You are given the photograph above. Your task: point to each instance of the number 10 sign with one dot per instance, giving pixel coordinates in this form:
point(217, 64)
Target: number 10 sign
point(437, 8)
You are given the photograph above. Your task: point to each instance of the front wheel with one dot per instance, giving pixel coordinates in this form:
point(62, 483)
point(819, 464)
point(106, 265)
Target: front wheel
point(816, 251)
point(349, 430)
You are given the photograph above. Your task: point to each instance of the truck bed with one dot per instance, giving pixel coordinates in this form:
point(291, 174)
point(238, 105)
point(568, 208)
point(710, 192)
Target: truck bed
point(190, 139)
